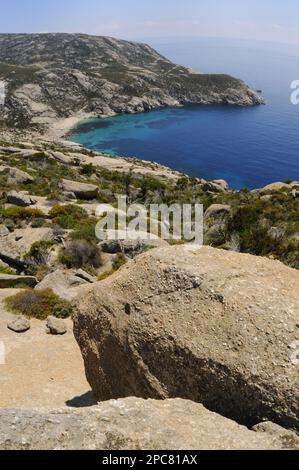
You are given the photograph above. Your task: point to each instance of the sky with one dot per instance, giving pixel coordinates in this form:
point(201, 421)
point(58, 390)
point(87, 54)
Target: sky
point(267, 20)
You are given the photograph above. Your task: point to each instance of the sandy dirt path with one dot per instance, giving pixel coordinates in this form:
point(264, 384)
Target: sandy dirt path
point(40, 370)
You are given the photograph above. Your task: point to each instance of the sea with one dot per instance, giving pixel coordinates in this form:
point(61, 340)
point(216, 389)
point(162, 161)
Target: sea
point(249, 147)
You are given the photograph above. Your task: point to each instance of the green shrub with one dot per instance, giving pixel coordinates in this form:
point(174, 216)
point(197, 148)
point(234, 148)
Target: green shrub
point(85, 231)
point(80, 254)
point(39, 304)
point(119, 261)
point(21, 213)
point(38, 223)
point(88, 169)
point(106, 274)
point(69, 216)
point(6, 270)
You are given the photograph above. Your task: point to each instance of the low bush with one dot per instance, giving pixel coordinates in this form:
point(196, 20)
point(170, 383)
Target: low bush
point(69, 216)
point(38, 223)
point(6, 270)
point(39, 304)
point(21, 213)
point(81, 254)
point(106, 274)
point(39, 252)
point(88, 169)
point(119, 261)
point(85, 231)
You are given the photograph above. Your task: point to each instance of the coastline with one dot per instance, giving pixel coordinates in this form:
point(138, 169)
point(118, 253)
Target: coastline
point(62, 127)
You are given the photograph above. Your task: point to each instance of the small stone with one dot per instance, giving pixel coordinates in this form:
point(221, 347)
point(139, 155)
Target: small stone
point(19, 324)
point(55, 326)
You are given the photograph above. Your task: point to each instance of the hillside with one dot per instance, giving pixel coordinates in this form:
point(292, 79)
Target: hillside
point(54, 76)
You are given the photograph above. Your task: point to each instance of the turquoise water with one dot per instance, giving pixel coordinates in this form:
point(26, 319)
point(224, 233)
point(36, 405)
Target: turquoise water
point(250, 147)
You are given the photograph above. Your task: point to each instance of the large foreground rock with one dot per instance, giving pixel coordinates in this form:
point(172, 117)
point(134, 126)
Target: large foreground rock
point(128, 424)
point(212, 326)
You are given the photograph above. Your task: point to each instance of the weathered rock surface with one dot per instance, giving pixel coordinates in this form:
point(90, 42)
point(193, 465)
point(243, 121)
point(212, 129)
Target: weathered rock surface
point(19, 199)
point(62, 158)
point(19, 176)
point(56, 326)
point(81, 274)
point(274, 188)
point(11, 280)
point(19, 324)
point(222, 183)
point(128, 424)
point(81, 190)
point(212, 326)
point(213, 187)
point(16, 244)
point(288, 438)
point(61, 283)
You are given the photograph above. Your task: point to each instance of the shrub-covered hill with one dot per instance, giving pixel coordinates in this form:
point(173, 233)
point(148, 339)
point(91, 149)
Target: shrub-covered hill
point(52, 76)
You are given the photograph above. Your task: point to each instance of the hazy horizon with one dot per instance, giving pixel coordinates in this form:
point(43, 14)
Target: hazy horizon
point(260, 20)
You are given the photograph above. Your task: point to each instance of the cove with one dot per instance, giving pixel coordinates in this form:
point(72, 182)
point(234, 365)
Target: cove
point(249, 147)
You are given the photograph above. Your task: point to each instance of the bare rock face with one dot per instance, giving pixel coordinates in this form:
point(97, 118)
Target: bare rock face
point(212, 326)
point(128, 424)
point(223, 183)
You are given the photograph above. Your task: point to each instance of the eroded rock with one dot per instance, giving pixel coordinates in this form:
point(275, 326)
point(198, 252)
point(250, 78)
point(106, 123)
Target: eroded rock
point(208, 325)
point(13, 280)
point(128, 424)
point(56, 326)
point(19, 324)
point(19, 199)
point(81, 190)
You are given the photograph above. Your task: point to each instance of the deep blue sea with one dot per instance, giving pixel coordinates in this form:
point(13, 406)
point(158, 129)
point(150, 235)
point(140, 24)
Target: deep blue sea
point(249, 147)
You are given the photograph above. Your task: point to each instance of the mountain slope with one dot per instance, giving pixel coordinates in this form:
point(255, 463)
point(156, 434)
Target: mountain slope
point(52, 76)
